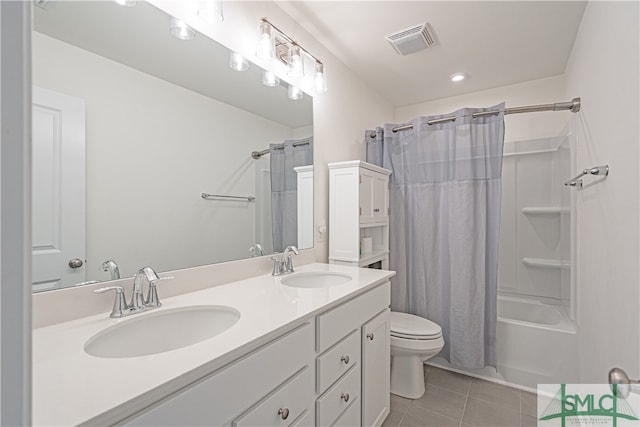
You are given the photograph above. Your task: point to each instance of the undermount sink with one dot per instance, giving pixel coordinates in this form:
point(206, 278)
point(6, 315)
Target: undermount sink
point(316, 279)
point(158, 332)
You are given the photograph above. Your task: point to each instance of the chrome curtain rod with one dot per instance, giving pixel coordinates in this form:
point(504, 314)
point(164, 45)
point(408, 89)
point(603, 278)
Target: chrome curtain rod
point(573, 106)
point(257, 154)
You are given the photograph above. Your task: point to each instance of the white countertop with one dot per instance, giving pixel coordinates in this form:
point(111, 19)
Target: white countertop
point(71, 387)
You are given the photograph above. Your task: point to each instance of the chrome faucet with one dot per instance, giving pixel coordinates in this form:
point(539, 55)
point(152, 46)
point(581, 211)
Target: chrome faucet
point(284, 265)
point(112, 267)
point(138, 302)
point(137, 298)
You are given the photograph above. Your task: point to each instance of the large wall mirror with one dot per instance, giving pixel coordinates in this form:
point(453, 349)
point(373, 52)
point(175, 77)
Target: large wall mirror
point(132, 126)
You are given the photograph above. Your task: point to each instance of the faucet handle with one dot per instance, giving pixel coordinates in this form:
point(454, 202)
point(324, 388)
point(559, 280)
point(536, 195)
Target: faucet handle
point(152, 300)
point(277, 265)
point(120, 304)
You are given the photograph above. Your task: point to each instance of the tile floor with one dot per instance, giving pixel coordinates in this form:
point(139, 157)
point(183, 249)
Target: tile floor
point(456, 400)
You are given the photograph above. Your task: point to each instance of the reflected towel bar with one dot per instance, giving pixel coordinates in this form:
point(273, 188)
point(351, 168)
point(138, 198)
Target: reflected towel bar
point(208, 196)
point(596, 170)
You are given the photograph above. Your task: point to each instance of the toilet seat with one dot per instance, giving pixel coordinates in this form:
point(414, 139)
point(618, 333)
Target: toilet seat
point(409, 326)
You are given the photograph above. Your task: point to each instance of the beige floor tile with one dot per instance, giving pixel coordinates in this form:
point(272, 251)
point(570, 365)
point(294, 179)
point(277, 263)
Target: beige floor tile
point(507, 397)
point(442, 401)
point(479, 413)
point(420, 417)
point(393, 419)
point(399, 403)
point(449, 380)
point(528, 403)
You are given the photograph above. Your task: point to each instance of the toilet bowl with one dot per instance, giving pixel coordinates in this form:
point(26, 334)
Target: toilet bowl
point(413, 340)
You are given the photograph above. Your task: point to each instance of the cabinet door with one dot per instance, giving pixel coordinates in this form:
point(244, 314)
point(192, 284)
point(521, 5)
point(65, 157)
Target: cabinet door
point(367, 180)
point(380, 196)
point(375, 370)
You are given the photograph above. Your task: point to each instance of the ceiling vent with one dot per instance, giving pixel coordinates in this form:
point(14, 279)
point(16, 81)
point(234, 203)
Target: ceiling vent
point(412, 39)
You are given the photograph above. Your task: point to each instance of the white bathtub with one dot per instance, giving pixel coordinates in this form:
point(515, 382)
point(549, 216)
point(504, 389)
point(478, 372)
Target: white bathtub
point(536, 344)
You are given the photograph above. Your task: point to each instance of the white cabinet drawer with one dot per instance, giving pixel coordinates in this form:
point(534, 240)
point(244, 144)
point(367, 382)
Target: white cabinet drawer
point(331, 326)
point(220, 397)
point(307, 419)
point(282, 406)
point(350, 417)
point(336, 361)
point(331, 404)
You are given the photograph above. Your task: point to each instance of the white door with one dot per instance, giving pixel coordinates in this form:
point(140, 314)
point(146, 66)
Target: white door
point(58, 190)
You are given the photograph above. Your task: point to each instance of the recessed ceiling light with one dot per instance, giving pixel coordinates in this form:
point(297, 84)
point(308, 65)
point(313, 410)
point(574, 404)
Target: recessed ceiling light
point(457, 77)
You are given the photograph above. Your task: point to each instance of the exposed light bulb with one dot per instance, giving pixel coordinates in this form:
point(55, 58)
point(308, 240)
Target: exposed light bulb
point(211, 11)
point(296, 66)
point(181, 30)
point(294, 93)
point(127, 3)
point(270, 79)
point(457, 77)
point(320, 81)
point(265, 50)
point(238, 62)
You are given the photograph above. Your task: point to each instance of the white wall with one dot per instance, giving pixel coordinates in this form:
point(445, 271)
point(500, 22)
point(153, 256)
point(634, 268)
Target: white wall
point(340, 116)
point(603, 69)
point(143, 132)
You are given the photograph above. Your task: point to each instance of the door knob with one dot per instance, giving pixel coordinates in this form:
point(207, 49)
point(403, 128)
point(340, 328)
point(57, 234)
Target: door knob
point(75, 263)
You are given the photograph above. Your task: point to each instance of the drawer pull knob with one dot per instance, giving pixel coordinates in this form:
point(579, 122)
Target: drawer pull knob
point(345, 359)
point(284, 413)
point(345, 397)
point(370, 336)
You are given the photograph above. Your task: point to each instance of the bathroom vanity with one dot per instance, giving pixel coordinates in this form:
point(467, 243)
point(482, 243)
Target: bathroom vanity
point(310, 348)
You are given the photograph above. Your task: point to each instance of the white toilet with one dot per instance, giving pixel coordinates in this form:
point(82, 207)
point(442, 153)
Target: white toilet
point(413, 340)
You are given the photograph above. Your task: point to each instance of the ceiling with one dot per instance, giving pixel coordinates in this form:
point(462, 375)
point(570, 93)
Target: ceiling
point(495, 43)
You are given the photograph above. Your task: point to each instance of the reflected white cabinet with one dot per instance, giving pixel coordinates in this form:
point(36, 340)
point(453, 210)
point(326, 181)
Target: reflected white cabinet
point(304, 176)
point(358, 207)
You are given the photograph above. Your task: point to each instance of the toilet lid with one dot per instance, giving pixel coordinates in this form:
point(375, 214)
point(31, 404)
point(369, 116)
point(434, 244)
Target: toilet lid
point(404, 325)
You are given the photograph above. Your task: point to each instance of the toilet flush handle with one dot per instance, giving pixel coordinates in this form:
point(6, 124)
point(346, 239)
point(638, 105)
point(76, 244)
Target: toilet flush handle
point(370, 336)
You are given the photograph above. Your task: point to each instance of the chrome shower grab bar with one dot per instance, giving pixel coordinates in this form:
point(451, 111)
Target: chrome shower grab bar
point(208, 196)
point(596, 170)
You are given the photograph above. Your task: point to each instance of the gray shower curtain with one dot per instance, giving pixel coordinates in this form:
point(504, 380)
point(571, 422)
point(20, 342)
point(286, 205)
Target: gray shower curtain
point(284, 189)
point(445, 194)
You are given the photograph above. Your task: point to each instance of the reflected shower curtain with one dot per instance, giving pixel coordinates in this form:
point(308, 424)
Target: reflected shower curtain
point(445, 195)
point(284, 189)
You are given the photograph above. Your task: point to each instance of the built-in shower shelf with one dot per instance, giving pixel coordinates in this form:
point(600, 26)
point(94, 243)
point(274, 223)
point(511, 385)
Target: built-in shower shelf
point(544, 210)
point(544, 263)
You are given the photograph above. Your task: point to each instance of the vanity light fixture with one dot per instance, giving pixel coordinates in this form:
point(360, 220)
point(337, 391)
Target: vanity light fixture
point(127, 3)
point(266, 49)
point(320, 79)
point(273, 43)
point(270, 79)
point(295, 66)
point(211, 11)
point(294, 93)
point(181, 30)
point(238, 62)
point(457, 77)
